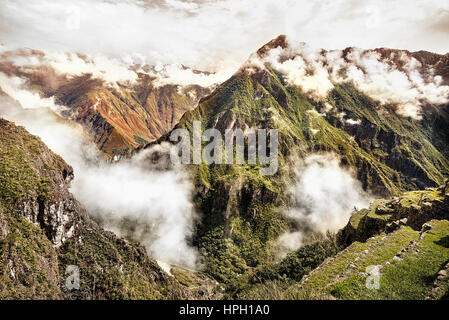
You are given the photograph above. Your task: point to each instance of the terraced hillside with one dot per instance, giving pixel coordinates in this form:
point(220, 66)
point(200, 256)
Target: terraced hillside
point(411, 253)
point(411, 265)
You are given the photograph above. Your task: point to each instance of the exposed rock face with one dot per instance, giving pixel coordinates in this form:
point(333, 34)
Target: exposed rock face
point(439, 288)
point(413, 209)
point(3, 225)
point(127, 116)
point(47, 202)
point(118, 116)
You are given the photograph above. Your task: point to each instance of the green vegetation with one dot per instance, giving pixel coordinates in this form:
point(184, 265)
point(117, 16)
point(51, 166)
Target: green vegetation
point(394, 137)
point(17, 178)
point(242, 209)
point(27, 262)
point(27, 168)
point(408, 276)
point(31, 267)
point(140, 141)
point(242, 215)
point(416, 206)
point(112, 268)
point(269, 280)
point(301, 262)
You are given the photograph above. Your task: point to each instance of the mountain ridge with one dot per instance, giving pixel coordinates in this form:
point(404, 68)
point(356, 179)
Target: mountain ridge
point(244, 213)
point(44, 230)
point(389, 153)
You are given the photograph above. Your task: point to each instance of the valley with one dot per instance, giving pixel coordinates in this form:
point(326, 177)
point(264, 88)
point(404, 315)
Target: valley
point(361, 182)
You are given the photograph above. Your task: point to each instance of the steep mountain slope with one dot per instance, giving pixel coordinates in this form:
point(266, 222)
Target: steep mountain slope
point(43, 230)
point(243, 210)
point(119, 115)
point(125, 117)
point(389, 145)
point(411, 252)
point(403, 254)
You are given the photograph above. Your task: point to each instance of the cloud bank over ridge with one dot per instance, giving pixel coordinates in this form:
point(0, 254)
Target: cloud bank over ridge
point(218, 35)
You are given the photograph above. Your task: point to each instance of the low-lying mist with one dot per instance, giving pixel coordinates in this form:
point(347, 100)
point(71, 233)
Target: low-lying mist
point(144, 198)
point(324, 196)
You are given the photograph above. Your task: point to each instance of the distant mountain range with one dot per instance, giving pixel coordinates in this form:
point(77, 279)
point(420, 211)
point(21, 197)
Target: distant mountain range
point(118, 116)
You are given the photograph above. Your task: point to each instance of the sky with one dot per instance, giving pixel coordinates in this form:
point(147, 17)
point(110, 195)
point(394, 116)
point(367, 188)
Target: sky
point(218, 35)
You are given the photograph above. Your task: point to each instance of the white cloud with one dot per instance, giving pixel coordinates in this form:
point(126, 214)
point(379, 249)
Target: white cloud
point(317, 71)
point(109, 69)
point(324, 196)
point(15, 87)
point(217, 35)
point(151, 194)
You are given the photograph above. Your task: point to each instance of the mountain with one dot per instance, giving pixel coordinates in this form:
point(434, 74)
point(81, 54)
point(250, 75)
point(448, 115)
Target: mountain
point(44, 230)
point(389, 152)
point(372, 125)
point(118, 115)
point(125, 117)
point(396, 249)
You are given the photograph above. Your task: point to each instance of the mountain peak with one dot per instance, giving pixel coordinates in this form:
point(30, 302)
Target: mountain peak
point(279, 41)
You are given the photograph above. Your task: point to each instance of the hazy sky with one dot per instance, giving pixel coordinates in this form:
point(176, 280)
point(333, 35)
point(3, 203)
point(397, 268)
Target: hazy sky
point(216, 34)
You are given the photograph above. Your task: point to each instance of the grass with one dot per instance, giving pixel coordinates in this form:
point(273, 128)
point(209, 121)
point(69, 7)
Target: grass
point(112, 268)
point(408, 278)
point(238, 198)
point(27, 261)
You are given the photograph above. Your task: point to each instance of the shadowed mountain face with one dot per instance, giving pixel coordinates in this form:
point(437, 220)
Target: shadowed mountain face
point(378, 118)
point(388, 152)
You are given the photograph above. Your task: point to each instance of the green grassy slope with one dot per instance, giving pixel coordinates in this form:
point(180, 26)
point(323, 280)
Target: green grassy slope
point(409, 264)
point(406, 238)
point(242, 215)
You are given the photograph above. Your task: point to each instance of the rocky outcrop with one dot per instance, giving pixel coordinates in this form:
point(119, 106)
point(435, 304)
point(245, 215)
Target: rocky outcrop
point(45, 233)
point(440, 286)
point(58, 213)
point(412, 209)
point(36, 182)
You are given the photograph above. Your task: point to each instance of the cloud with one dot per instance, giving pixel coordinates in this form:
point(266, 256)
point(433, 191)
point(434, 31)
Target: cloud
point(217, 35)
point(16, 87)
point(108, 69)
point(176, 74)
point(61, 66)
point(324, 196)
point(440, 23)
point(399, 79)
point(143, 198)
point(145, 201)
